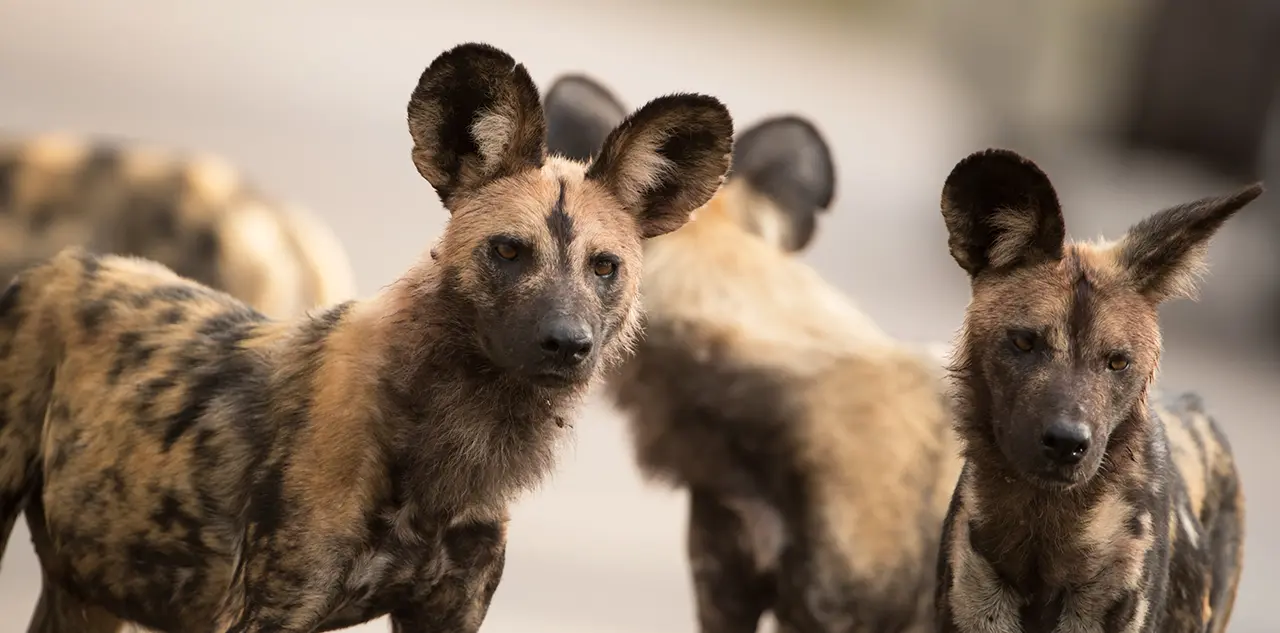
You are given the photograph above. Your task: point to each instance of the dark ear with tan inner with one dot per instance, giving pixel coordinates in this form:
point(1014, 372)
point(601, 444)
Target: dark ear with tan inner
point(581, 113)
point(474, 117)
point(1001, 212)
point(666, 159)
point(787, 159)
point(1164, 254)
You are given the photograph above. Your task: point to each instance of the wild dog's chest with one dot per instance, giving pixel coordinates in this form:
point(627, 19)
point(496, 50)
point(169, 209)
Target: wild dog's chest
point(403, 562)
point(1094, 578)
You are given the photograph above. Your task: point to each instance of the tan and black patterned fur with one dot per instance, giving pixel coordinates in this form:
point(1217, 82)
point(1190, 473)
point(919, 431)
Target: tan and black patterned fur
point(190, 465)
point(195, 214)
point(816, 449)
point(1084, 504)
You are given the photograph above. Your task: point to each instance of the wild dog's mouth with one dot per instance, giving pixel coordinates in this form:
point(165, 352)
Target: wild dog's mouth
point(557, 378)
point(1061, 477)
point(1058, 480)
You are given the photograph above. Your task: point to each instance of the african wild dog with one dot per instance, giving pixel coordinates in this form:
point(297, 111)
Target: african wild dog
point(196, 215)
point(1082, 506)
point(817, 450)
point(190, 465)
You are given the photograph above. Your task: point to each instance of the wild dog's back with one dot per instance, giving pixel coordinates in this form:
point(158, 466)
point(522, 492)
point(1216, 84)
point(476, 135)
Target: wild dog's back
point(79, 334)
point(194, 214)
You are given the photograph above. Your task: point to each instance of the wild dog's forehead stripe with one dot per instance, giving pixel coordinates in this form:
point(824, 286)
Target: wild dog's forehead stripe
point(560, 224)
point(1080, 301)
point(554, 208)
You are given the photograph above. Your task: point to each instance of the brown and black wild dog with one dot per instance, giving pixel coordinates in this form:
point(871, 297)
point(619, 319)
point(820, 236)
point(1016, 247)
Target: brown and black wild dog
point(817, 450)
point(194, 214)
point(189, 465)
point(1083, 504)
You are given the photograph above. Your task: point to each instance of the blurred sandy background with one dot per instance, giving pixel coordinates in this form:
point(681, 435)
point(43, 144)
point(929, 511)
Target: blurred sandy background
point(308, 98)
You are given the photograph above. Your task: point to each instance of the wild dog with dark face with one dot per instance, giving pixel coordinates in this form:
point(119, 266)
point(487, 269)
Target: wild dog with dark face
point(189, 465)
point(1083, 506)
point(196, 215)
point(816, 449)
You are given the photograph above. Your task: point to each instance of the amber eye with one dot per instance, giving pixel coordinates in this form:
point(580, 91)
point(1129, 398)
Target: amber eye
point(604, 267)
point(1023, 341)
point(1117, 362)
point(505, 250)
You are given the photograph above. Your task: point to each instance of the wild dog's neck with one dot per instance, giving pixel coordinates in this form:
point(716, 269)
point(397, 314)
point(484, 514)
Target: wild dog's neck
point(459, 431)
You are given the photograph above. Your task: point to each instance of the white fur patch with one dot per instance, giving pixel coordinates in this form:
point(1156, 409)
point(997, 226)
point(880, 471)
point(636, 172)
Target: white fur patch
point(1014, 231)
point(766, 533)
point(642, 168)
point(1189, 526)
point(493, 132)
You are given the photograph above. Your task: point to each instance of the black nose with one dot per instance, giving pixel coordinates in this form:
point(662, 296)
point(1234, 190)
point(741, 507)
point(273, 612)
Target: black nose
point(565, 341)
point(1066, 442)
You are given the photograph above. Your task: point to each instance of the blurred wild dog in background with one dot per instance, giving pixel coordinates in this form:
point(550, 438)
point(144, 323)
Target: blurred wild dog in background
point(194, 214)
point(817, 450)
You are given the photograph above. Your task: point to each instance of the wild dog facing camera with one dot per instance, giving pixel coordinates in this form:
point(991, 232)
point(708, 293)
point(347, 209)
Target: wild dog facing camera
point(547, 251)
point(357, 461)
point(1062, 339)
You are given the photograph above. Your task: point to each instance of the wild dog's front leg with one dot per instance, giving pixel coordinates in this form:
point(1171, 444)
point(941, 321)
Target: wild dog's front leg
point(60, 612)
point(733, 590)
point(459, 602)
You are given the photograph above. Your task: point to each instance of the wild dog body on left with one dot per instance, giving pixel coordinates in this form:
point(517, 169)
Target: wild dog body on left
point(197, 215)
point(189, 465)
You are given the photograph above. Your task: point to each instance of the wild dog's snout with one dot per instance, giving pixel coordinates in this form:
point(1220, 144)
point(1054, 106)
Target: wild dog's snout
point(565, 341)
point(1065, 442)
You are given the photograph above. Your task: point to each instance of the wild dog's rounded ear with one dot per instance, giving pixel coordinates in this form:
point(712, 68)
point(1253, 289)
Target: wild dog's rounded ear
point(1163, 255)
point(1001, 210)
point(475, 116)
point(580, 114)
point(667, 159)
point(787, 159)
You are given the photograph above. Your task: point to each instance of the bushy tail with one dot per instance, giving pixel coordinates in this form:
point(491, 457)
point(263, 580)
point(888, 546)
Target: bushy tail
point(27, 348)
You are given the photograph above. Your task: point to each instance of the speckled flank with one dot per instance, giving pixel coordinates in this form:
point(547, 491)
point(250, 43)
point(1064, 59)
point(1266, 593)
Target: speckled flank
point(187, 463)
point(1085, 504)
point(194, 214)
point(816, 450)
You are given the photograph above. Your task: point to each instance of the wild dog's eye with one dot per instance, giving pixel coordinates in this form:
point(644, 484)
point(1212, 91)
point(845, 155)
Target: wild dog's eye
point(505, 250)
point(1117, 362)
point(604, 267)
point(1023, 341)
